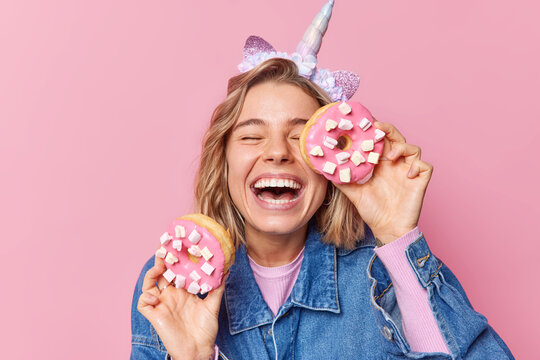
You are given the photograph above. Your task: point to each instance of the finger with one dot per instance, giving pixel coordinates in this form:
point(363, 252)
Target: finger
point(408, 151)
point(153, 274)
point(419, 167)
point(392, 133)
point(214, 297)
point(149, 299)
point(387, 148)
point(161, 282)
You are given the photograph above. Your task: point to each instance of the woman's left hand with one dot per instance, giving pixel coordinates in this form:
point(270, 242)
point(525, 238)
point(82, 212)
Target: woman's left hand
point(390, 202)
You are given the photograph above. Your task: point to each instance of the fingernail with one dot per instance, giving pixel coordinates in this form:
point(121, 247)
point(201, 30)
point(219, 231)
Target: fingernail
point(391, 154)
point(410, 174)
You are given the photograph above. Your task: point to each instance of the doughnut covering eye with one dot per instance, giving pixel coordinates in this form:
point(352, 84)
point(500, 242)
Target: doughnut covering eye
point(340, 142)
point(197, 252)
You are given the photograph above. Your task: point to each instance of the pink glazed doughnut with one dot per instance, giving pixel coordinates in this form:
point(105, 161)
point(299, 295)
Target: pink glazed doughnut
point(197, 252)
point(340, 142)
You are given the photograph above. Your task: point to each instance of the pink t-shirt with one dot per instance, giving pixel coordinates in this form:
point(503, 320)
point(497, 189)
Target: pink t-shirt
point(276, 283)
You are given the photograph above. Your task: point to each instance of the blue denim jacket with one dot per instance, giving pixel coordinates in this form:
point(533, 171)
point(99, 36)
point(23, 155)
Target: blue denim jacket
point(342, 306)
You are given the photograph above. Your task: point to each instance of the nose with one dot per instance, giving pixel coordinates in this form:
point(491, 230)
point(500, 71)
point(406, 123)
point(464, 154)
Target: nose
point(278, 151)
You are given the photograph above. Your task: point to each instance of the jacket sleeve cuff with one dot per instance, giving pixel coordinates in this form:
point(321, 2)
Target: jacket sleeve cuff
point(424, 264)
point(414, 246)
point(418, 322)
point(402, 262)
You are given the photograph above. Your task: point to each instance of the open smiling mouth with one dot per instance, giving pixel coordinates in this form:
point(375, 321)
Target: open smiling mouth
point(277, 191)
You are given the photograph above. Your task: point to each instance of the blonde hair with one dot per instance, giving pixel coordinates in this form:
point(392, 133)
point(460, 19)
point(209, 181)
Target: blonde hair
point(337, 218)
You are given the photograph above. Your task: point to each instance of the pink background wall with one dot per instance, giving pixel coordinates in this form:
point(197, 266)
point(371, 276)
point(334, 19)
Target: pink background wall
point(103, 105)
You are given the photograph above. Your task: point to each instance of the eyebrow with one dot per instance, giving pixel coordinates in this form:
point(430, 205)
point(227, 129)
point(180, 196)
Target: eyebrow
point(249, 122)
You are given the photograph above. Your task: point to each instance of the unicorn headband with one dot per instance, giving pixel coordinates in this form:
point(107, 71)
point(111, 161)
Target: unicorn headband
point(339, 85)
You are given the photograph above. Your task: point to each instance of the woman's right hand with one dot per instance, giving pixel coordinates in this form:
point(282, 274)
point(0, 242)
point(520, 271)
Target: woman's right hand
point(186, 324)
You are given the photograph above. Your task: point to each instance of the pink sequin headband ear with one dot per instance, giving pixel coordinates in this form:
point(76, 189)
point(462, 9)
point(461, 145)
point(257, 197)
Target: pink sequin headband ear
point(339, 85)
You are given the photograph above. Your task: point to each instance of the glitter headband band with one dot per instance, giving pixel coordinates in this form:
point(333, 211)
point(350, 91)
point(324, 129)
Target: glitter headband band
point(339, 85)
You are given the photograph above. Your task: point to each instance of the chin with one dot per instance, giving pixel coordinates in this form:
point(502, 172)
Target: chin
point(279, 225)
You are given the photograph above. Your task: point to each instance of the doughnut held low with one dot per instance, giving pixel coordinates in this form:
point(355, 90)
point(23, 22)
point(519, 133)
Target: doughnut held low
point(197, 252)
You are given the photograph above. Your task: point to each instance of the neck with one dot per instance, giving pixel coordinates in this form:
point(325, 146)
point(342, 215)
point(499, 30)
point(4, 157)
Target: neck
point(274, 250)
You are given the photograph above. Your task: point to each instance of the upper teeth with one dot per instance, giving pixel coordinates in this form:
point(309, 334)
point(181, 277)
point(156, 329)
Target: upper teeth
point(262, 183)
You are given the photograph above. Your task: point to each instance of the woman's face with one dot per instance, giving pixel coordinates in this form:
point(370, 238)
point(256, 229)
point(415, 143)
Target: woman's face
point(274, 189)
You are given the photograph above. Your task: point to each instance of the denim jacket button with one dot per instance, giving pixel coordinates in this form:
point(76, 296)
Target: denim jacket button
point(270, 332)
point(387, 333)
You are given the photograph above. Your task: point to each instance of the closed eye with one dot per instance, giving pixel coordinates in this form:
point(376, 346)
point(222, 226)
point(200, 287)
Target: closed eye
point(250, 138)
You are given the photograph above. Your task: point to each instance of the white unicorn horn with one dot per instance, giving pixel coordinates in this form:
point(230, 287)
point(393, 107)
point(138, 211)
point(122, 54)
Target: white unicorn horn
point(311, 42)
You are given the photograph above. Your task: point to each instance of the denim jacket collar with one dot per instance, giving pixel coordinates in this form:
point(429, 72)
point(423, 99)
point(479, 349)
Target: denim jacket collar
point(315, 288)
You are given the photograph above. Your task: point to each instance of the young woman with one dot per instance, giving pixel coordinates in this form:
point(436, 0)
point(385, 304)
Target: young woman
point(332, 272)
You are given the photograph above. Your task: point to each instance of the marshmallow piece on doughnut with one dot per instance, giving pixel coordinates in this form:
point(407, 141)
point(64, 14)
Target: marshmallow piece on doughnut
point(342, 157)
point(330, 125)
point(367, 145)
point(171, 259)
point(194, 250)
point(379, 135)
point(344, 108)
point(329, 142)
point(316, 151)
point(205, 288)
point(169, 275)
point(364, 124)
point(194, 237)
point(207, 268)
point(357, 158)
point(373, 158)
point(345, 175)
point(161, 252)
point(177, 244)
point(193, 288)
point(180, 281)
point(345, 124)
point(180, 231)
point(206, 254)
point(195, 275)
point(165, 238)
point(329, 167)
